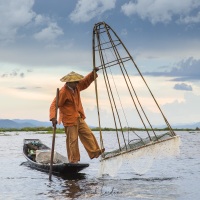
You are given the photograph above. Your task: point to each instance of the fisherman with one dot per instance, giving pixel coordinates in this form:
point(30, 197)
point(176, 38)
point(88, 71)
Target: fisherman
point(72, 115)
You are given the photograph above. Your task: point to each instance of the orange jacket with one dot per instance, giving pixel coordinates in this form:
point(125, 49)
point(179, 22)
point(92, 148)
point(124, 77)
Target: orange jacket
point(69, 104)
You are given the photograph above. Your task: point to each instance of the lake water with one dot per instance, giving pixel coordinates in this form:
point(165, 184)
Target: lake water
point(168, 179)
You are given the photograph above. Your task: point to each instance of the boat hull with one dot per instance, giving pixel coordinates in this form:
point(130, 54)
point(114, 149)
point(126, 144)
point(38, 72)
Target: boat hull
point(59, 168)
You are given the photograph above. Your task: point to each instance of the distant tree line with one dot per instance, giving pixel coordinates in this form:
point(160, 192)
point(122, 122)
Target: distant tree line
point(61, 130)
point(27, 129)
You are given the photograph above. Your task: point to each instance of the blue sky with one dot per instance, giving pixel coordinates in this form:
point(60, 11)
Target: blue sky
point(41, 41)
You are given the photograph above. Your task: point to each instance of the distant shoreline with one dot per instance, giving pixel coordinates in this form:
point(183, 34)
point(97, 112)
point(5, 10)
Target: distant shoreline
point(61, 130)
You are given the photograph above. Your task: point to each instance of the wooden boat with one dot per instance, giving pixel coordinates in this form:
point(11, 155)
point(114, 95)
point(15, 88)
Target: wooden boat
point(33, 147)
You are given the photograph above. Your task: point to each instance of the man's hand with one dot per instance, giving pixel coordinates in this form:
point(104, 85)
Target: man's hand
point(96, 69)
point(54, 122)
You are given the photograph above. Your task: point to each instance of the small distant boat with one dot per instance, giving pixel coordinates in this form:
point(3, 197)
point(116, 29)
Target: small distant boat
point(38, 156)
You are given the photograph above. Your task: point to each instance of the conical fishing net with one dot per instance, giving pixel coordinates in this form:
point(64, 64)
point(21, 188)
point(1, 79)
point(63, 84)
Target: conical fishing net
point(140, 155)
point(128, 103)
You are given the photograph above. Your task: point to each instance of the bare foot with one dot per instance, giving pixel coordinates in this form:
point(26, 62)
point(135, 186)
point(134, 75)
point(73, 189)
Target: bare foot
point(100, 152)
point(74, 162)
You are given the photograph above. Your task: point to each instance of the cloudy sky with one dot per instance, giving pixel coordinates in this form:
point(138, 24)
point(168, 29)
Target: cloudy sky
point(41, 41)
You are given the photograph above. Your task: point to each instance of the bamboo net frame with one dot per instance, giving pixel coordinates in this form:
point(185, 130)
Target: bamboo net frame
point(113, 43)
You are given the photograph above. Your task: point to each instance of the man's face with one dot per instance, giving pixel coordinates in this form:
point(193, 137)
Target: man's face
point(72, 84)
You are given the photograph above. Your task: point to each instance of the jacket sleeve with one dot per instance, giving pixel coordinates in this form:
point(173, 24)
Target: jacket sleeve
point(87, 80)
point(52, 110)
point(61, 101)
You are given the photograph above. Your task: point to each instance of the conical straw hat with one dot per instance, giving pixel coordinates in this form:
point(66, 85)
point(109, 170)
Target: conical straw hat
point(71, 77)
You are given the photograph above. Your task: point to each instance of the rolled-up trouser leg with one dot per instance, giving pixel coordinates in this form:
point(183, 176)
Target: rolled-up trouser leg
point(88, 139)
point(72, 143)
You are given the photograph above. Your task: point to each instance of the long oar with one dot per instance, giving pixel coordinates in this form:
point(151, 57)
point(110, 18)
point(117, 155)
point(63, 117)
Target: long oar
point(54, 136)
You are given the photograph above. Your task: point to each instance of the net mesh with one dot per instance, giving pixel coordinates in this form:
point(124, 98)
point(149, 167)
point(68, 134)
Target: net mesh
point(128, 101)
point(44, 157)
point(141, 155)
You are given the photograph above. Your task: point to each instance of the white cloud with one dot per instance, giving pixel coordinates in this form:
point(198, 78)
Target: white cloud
point(49, 33)
point(188, 69)
point(186, 111)
point(13, 15)
point(182, 86)
point(160, 10)
point(16, 14)
point(40, 19)
point(87, 9)
point(190, 19)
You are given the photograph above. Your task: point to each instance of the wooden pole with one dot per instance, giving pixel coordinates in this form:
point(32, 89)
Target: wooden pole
point(54, 136)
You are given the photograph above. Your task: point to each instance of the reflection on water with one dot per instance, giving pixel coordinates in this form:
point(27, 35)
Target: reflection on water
point(170, 179)
point(68, 189)
point(78, 176)
point(118, 188)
